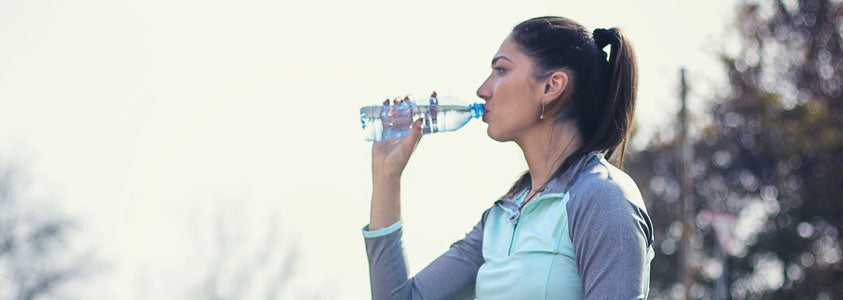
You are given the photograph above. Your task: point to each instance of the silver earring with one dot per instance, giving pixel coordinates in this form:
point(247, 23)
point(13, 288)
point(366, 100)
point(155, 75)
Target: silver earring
point(541, 117)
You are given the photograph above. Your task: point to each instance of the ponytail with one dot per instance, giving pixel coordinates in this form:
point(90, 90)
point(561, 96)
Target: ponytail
point(603, 98)
point(614, 129)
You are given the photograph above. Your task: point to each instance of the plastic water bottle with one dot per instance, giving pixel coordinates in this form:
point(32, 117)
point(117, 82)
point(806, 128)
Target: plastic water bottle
point(381, 122)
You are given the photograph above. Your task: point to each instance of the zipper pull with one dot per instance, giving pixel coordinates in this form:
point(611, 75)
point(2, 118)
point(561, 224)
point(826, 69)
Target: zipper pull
point(514, 216)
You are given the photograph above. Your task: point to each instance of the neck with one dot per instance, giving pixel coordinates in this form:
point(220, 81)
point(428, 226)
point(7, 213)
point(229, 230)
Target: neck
point(546, 147)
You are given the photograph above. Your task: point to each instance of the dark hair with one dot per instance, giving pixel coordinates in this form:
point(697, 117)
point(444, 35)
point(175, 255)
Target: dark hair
point(602, 92)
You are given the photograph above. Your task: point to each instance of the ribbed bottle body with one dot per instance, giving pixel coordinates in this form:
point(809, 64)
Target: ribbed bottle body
point(382, 122)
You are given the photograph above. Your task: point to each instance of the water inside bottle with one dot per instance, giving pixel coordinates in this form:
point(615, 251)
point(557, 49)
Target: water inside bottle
point(385, 122)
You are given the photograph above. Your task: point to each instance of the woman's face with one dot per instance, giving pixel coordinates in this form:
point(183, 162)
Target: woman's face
point(513, 96)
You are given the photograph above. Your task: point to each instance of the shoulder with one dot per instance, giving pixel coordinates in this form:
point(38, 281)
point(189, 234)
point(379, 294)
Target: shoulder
point(605, 198)
point(605, 186)
point(610, 232)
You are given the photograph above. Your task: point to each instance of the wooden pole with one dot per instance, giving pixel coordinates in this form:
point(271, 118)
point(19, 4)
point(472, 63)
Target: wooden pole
point(685, 191)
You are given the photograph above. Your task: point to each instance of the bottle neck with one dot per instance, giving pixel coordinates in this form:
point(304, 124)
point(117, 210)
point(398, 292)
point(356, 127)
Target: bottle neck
point(477, 110)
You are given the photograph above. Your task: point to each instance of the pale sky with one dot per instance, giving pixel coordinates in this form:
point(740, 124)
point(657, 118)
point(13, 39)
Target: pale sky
point(148, 120)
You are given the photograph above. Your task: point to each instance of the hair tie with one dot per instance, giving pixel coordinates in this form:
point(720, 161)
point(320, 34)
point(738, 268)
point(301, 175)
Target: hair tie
point(602, 37)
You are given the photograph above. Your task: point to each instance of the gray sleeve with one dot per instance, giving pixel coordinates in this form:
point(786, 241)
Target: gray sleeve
point(611, 233)
point(451, 276)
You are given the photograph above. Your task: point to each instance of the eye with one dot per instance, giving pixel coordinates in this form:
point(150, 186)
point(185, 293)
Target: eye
point(499, 69)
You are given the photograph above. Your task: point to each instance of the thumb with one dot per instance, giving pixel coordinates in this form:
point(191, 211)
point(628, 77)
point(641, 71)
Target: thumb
point(414, 137)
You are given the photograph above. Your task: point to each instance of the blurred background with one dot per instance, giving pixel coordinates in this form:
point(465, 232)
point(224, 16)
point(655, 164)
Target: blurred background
point(212, 149)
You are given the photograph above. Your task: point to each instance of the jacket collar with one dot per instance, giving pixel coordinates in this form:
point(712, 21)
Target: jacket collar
point(562, 183)
point(558, 186)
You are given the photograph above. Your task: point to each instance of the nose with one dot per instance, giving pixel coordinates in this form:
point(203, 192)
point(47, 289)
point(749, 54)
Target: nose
point(484, 91)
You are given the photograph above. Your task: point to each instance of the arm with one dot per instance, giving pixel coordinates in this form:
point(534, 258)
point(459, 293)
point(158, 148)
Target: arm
point(386, 202)
point(611, 236)
point(389, 158)
point(450, 276)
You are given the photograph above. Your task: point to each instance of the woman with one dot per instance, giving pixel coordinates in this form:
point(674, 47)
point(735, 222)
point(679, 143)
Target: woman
point(573, 226)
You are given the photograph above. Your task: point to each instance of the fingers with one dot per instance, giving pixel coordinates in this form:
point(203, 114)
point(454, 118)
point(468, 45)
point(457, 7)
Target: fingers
point(398, 100)
point(417, 125)
point(415, 135)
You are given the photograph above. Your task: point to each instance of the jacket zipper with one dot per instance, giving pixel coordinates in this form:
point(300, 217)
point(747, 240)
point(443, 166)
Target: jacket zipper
point(512, 239)
point(515, 227)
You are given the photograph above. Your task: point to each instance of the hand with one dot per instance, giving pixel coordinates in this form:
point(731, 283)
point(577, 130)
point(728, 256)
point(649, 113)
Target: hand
point(390, 156)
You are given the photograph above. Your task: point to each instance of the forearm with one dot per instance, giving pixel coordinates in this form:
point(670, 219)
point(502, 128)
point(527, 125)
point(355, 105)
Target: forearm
point(386, 202)
point(451, 276)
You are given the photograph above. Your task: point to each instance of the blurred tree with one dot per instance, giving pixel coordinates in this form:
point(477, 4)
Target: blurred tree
point(34, 261)
point(236, 272)
point(246, 264)
point(772, 156)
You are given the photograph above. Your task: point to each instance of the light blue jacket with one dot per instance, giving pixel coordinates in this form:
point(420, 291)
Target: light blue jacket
point(587, 236)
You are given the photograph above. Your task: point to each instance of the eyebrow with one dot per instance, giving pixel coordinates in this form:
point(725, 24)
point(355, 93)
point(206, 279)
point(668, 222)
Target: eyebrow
point(499, 57)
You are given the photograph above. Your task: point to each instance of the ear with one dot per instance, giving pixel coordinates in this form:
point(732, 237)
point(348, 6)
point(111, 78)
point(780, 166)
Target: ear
point(555, 86)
